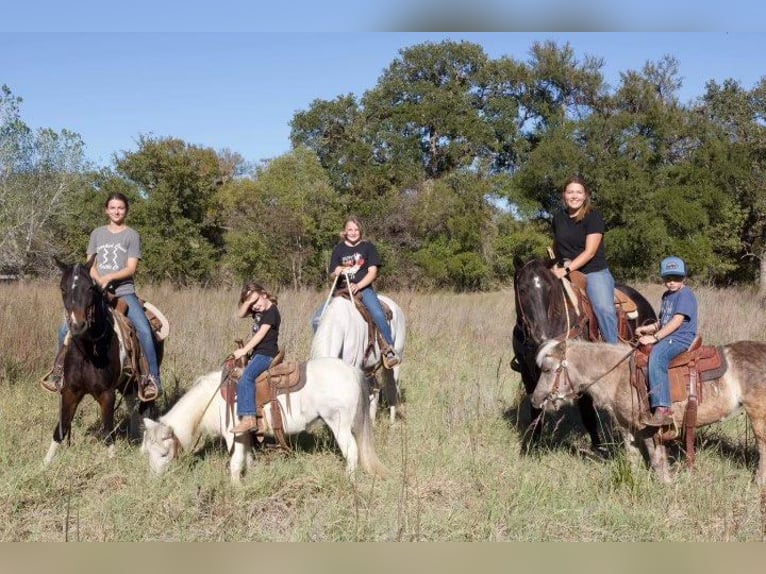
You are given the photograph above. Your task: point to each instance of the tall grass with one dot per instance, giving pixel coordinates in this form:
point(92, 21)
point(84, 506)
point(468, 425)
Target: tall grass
point(460, 470)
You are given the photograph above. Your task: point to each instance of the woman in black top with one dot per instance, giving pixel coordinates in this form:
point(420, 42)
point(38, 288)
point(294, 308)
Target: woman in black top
point(578, 232)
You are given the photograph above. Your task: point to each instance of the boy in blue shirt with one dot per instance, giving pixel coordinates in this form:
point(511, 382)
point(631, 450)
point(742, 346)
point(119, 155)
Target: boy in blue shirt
point(671, 335)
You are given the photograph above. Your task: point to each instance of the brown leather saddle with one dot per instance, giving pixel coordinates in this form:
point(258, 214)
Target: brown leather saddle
point(689, 373)
point(373, 333)
point(587, 325)
point(281, 378)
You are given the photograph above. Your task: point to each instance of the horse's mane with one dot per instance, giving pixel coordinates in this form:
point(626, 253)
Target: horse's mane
point(193, 404)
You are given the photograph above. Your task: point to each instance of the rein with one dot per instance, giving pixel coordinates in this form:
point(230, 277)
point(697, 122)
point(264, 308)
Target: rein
point(563, 365)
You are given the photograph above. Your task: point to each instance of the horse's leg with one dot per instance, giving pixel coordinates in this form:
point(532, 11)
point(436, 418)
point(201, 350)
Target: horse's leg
point(241, 446)
point(658, 456)
point(390, 389)
point(341, 430)
point(759, 430)
point(590, 421)
point(68, 405)
point(106, 401)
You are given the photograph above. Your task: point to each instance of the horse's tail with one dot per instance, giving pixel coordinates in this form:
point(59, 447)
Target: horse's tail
point(362, 431)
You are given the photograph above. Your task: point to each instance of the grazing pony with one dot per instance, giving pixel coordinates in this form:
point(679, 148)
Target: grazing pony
point(335, 392)
point(544, 312)
point(570, 368)
point(342, 332)
point(92, 363)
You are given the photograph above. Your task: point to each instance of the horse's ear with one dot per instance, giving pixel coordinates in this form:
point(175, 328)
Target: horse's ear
point(149, 423)
point(90, 261)
point(59, 263)
point(518, 262)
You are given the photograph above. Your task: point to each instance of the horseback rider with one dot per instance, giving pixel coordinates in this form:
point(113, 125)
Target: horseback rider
point(117, 249)
point(578, 233)
point(670, 336)
point(261, 305)
point(355, 263)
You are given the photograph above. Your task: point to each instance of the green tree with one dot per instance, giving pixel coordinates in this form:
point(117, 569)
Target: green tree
point(283, 222)
point(178, 217)
point(38, 171)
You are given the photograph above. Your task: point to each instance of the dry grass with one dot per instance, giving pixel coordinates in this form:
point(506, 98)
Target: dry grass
point(460, 472)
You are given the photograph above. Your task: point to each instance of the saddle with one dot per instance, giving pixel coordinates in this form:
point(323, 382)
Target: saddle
point(373, 333)
point(133, 362)
point(281, 378)
point(689, 374)
point(576, 290)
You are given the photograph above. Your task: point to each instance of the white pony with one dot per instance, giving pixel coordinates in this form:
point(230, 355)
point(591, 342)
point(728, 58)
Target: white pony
point(335, 392)
point(342, 332)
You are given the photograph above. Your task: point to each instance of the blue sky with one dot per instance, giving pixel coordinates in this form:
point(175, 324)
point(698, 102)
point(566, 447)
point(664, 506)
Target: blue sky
point(240, 90)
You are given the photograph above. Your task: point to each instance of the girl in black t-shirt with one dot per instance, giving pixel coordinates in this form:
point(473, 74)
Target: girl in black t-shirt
point(262, 306)
point(356, 263)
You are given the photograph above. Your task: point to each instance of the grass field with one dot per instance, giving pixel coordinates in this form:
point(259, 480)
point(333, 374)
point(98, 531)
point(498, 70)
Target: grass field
point(459, 471)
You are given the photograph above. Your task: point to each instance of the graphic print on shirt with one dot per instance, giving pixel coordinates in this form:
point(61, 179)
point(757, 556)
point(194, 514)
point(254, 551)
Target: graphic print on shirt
point(107, 256)
point(352, 264)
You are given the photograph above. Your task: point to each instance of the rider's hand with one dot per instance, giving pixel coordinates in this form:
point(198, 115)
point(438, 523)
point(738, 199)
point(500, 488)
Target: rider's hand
point(239, 353)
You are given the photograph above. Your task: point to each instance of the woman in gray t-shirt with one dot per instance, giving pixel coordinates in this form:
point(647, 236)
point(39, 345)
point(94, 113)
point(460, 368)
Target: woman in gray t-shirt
point(117, 249)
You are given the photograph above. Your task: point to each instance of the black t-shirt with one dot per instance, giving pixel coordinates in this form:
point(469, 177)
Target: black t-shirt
point(358, 258)
point(269, 345)
point(569, 237)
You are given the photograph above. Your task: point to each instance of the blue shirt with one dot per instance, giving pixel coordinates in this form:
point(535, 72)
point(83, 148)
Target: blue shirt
point(682, 302)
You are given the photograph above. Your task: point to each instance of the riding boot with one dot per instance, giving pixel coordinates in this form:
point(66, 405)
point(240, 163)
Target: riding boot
point(53, 380)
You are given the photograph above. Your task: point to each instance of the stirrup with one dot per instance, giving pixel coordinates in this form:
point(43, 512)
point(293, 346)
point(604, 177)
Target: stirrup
point(148, 390)
point(52, 381)
point(391, 362)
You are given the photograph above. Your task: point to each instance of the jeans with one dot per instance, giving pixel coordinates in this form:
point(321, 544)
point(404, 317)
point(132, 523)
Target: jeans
point(371, 301)
point(600, 291)
point(659, 360)
point(138, 317)
point(246, 385)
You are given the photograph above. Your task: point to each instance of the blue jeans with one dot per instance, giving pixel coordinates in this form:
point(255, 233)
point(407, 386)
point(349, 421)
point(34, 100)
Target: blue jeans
point(137, 316)
point(600, 291)
point(371, 301)
point(246, 385)
point(659, 360)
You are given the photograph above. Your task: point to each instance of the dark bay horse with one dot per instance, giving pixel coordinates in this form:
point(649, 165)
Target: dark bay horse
point(543, 313)
point(92, 363)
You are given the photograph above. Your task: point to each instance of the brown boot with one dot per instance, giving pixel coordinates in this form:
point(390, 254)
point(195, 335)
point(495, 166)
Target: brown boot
point(246, 424)
point(662, 417)
point(390, 358)
point(53, 380)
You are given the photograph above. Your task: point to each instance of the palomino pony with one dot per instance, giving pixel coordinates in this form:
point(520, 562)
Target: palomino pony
point(570, 368)
point(92, 364)
point(543, 312)
point(335, 392)
point(342, 332)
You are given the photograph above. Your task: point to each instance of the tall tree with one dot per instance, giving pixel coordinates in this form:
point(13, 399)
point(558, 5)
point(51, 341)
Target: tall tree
point(181, 227)
point(38, 170)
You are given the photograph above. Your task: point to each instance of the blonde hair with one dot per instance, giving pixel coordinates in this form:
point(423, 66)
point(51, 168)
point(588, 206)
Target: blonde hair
point(253, 287)
point(355, 220)
point(587, 206)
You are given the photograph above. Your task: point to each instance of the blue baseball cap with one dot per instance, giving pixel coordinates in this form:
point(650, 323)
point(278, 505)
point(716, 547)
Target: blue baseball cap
point(672, 266)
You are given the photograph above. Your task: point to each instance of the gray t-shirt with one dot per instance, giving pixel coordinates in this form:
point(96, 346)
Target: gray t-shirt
point(112, 252)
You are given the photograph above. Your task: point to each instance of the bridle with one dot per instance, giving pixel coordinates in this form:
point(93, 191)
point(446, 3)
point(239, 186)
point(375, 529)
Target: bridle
point(572, 331)
point(563, 368)
point(91, 310)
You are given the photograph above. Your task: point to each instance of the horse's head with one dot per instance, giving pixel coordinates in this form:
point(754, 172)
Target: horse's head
point(554, 387)
point(159, 444)
point(81, 296)
point(540, 304)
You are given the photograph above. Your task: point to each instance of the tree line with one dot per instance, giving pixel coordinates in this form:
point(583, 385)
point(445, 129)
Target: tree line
point(453, 161)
